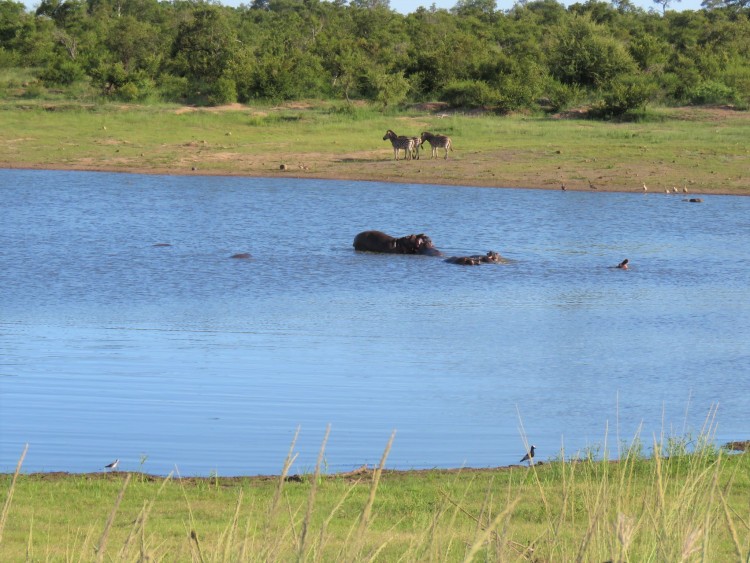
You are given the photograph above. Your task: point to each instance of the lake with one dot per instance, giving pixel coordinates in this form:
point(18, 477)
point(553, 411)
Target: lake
point(180, 356)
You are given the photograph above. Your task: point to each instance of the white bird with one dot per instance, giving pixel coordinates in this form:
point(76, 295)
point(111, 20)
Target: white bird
point(113, 466)
point(674, 189)
point(645, 187)
point(684, 189)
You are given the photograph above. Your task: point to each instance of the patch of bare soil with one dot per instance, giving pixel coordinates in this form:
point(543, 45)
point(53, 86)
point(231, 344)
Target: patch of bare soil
point(710, 113)
point(211, 109)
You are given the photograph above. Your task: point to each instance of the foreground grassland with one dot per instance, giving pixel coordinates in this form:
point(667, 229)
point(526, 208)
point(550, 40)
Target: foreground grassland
point(681, 508)
point(703, 150)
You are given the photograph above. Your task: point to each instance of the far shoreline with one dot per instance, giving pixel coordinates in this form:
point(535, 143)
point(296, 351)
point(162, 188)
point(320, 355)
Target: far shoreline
point(271, 173)
point(677, 151)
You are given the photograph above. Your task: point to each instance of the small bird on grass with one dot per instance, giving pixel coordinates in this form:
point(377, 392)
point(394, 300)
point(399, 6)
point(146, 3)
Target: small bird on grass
point(529, 455)
point(113, 466)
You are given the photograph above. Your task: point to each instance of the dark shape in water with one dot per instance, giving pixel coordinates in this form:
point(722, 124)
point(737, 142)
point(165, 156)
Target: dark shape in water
point(491, 257)
point(377, 241)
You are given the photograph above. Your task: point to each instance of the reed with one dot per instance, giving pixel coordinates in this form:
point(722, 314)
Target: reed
point(688, 501)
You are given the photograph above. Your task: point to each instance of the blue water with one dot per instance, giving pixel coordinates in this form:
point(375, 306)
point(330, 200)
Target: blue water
point(179, 356)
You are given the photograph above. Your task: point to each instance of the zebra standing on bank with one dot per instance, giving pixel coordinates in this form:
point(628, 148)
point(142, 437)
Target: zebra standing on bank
point(417, 146)
point(437, 142)
point(401, 143)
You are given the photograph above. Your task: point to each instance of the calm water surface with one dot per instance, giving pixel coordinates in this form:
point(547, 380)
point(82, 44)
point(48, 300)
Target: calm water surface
point(111, 347)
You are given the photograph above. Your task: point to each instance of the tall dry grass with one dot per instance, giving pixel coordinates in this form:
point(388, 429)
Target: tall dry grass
point(688, 501)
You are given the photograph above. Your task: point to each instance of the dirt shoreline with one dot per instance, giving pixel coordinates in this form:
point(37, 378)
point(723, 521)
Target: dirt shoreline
point(469, 182)
point(741, 446)
point(359, 473)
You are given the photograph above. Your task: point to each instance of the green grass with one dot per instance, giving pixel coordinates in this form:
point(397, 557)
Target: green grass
point(701, 149)
point(682, 507)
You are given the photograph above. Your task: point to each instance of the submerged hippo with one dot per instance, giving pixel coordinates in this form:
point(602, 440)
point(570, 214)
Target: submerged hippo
point(491, 257)
point(376, 241)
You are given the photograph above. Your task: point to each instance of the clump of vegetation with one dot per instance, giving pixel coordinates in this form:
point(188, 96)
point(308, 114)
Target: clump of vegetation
point(536, 56)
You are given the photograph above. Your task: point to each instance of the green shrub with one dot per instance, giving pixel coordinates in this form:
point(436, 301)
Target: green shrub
point(712, 92)
point(470, 94)
point(128, 92)
point(561, 96)
point(8, 59)
point(223, 91)
point(515, 93)
point(172, 88)
point(391, 88)
point(623, 95)
point(62, 72)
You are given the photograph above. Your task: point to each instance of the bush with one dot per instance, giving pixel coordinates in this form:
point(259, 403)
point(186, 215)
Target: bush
point(172, 88)
point(561, 96)
point(515, 93)
point(8, 59)
point(223, 91)
point(623, 95)
point(712, 92)
point(391, 88)
point(128, 92)
point(62, 72)
point(470, 94)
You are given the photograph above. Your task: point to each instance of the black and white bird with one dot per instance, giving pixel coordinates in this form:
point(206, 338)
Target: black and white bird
point(529, 455)
point(113, 466)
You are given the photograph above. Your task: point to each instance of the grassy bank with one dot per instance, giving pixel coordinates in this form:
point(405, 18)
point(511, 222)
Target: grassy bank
point(704, 150)
point(678, 508)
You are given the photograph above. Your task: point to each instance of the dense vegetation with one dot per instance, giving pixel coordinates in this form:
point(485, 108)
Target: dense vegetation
point(539, 55)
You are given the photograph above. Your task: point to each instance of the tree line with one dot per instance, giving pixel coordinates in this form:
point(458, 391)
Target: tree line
point(539, 55)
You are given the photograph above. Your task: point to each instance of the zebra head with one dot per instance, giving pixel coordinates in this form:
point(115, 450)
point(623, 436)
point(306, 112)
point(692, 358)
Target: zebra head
point(389, 135)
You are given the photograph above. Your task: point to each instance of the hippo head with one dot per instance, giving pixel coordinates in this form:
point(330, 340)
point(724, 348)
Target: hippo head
point(424, 245)
point(493, 257)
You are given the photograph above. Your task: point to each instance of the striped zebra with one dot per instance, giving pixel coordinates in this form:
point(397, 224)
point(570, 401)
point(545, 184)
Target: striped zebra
point(399, 143)
point(417, 146)
point(437, 142)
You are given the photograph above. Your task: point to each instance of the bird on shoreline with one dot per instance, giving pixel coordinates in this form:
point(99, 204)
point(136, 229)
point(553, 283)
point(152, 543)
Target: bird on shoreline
point(112, 466)
point(529, 455)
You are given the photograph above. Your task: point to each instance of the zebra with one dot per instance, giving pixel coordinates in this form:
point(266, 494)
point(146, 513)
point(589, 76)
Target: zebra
point(405, 144)
point(437, 142)
point(417, 146)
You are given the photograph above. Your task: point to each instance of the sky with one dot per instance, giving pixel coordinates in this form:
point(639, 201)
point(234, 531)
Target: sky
point(409, 6)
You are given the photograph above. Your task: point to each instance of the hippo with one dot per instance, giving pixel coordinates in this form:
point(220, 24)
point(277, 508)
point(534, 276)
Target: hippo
point(491, 257)
point(377, 241)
